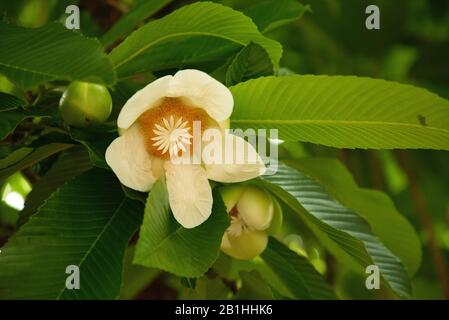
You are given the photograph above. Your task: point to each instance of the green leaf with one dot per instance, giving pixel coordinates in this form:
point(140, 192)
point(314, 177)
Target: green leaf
point(9, 102)
point(375, 207)
point(11, 114)
point(87, 223)
point(196, 52)
point(134, 16)
point(254, 287)
point(231, 269)
point(15, 157)
point(165, 244)
point(10, 119)
point(135, 195)
point(189, 283)
point(342, 231)
point(344, 111)
point(296, 272)
point(71, 163)
point(96, 140)
point(29, 57)
point(202, 19)
point(272, 14)
point(8, 216)
point(207, 289)
point(251, 62)
point(135, 278)
point(120, 94)
point(31, 158)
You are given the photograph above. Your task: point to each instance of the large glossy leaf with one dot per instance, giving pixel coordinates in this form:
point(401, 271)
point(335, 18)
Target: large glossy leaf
point(272, 14)
point(344, 111)
point(374, 206)
point(30, 157)
point(202, 19)
point(196, 51)
point(139, 12)
point(165, 244)
point(251, 62)
point(296, 272)
point(29, 57)
point(87, 223)
point(344, 233)
point(71, 163)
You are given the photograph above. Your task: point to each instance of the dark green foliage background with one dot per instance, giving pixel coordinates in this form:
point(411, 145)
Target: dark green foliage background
point(78, 213)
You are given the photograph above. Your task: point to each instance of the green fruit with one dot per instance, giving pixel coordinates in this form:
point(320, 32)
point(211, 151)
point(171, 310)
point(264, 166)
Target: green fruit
point(84, 103)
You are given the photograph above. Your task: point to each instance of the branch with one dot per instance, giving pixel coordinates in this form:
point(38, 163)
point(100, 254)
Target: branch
point(425, 220)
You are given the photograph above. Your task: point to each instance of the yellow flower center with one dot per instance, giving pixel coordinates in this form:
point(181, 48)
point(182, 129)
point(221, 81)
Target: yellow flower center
point(168, 127)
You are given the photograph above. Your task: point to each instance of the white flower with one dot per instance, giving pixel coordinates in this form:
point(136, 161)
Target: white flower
point(156, 126)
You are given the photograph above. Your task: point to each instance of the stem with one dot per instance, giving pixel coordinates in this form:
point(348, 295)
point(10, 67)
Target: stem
point(425, 220)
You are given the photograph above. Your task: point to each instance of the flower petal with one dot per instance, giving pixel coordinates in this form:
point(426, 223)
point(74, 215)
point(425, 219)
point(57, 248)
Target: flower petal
point(142, 100)
point(246, 246)
point(189, 193)
point(225, 124)
point(196, 86)
point(127, 157)
point(244, 163)
point(203, 91)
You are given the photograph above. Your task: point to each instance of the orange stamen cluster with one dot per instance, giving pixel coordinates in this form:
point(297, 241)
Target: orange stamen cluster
point(156, 125)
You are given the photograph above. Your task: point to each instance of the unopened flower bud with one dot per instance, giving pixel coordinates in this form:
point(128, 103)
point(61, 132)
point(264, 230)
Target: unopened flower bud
point(256, 208)
point(246, 246)
point(230, 195)
point(252, 210)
